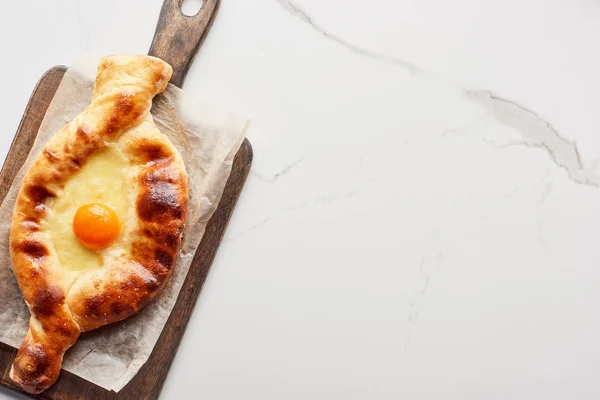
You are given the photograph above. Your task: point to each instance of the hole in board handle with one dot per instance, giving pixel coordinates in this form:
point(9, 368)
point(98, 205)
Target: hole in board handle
point(191, 8)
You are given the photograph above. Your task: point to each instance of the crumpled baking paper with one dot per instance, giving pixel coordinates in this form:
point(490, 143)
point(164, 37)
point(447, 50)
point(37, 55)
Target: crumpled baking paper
point(208, 139)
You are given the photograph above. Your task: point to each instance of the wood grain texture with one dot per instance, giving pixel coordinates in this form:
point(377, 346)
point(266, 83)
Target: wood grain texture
point(178, 37)
point(148, 383)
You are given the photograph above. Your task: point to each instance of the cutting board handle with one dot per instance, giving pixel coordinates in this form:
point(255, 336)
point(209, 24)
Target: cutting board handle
point(178, 36)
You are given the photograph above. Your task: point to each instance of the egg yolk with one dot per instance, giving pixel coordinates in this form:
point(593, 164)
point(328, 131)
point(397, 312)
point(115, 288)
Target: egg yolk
point(96, 225)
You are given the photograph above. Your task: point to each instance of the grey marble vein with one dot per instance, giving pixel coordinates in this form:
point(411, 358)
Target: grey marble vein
point(537, 133)
point(360, 165)
point(548, 186)
point(319, 201)
point(301, 14)
point(251, 229)
point(331, 199)
point(285, 170)
point(428, 267)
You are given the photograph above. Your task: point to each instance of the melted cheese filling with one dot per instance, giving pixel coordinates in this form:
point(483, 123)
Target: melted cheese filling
point(103, 179)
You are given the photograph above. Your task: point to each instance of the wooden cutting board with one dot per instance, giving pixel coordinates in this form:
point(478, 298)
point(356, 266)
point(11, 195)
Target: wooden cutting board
point(176, 41)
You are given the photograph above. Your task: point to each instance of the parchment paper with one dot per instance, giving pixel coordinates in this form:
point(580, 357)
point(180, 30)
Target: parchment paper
point(208, 139)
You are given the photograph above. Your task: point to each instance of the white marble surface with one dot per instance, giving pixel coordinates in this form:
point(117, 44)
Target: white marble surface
point(410, 229)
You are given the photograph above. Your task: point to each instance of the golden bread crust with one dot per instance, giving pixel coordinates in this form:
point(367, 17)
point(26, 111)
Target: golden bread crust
point(64, 304)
